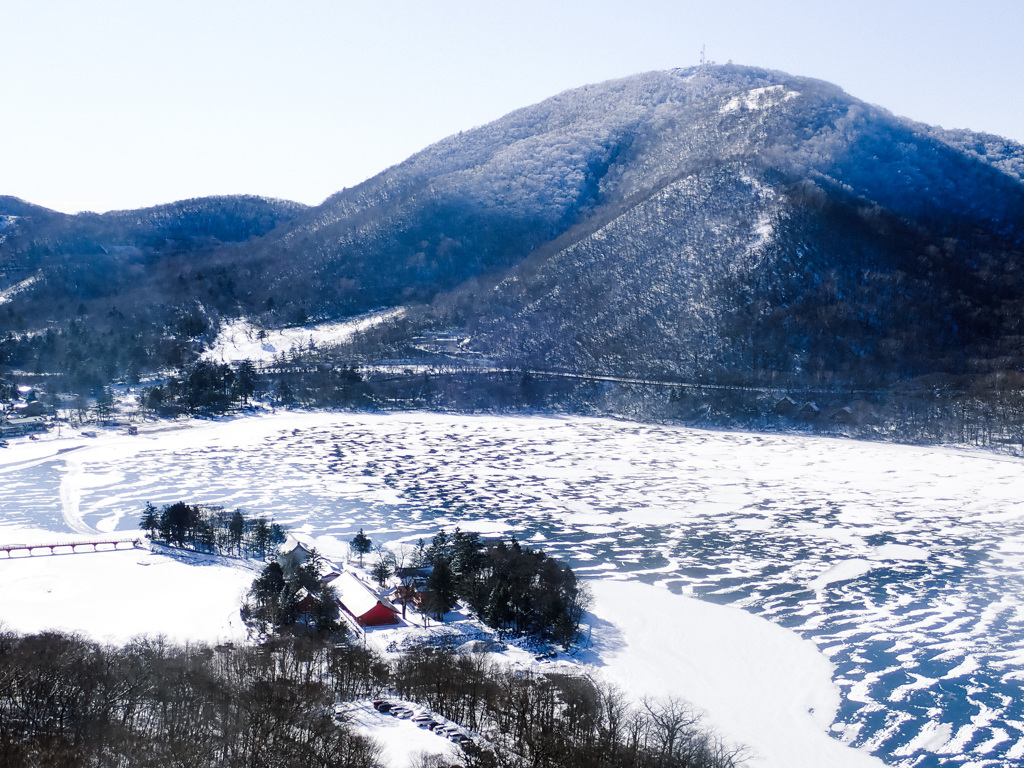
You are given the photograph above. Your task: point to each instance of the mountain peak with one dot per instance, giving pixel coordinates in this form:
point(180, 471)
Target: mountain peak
point(702, 223)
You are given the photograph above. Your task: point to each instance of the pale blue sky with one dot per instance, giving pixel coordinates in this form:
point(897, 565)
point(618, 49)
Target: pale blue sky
point(121, 103)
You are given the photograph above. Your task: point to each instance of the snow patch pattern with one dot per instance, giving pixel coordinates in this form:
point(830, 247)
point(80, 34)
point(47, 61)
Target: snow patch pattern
point(758, 98)
point(916, 555)
point(8, 294)
point(241, 340)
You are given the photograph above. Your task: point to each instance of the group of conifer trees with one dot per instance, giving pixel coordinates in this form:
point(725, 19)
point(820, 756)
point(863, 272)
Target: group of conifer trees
point(509, 586)
point(286, 595)
point(203, 387)
point(211, 529)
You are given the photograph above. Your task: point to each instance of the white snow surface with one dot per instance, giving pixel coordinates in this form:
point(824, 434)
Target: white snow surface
point(241, 340)
point(914, 553)
point(898, 552)
point(8, 294)
point(844, 571)
point(115, 595)
point(758, 98)
point(760, 685)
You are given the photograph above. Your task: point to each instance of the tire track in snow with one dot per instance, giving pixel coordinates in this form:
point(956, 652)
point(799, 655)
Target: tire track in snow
point(71, 498)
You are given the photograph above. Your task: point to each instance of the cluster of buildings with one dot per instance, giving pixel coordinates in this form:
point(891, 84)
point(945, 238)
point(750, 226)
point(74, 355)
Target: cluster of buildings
point(23, 417)
point(357, 599)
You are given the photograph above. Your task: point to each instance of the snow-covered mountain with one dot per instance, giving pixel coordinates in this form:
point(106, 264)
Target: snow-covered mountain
point(725, 223)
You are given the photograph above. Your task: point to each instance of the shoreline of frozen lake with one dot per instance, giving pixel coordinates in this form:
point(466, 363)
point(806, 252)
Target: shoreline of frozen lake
point(903, 565)
point(760, 685)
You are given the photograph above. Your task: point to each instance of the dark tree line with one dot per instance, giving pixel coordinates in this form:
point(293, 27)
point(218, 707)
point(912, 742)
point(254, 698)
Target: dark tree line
point(67, 701)
point(981, 410)
point(86, 356)
point(203, 387)
point(509, 586)
point(211, 529)
point(556, 720)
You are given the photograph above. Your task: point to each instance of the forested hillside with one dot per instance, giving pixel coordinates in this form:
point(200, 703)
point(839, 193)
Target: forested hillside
point(103, 296)
point(715, 225)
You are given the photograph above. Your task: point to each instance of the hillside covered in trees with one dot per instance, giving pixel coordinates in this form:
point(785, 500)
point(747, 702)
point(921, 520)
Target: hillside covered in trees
point(712, 226)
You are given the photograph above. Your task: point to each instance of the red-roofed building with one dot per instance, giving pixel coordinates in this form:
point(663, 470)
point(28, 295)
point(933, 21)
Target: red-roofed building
point(362, 603)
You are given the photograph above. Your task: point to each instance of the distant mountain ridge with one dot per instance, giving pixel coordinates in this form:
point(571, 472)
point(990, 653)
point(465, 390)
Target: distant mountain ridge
point(224, 218)
point(1004, 154)
point(708, 224)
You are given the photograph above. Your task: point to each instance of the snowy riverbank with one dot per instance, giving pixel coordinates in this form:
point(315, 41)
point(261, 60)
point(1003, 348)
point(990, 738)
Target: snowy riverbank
point(760, 685)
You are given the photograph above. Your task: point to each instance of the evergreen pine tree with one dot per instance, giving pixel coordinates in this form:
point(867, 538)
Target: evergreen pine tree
point(497, 613)
point(150, 521)
point(244, 384)
point(325, 614)
point(380, 572)
point(260, 537)
point(419, 557)
point(236, 528)
point(361, 545)
point(104, 404)
point(441, 595)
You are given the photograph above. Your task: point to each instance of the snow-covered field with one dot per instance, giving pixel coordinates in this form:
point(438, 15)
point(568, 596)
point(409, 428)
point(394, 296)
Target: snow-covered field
point(901, 566)
point(764, 687)
point(115, 595)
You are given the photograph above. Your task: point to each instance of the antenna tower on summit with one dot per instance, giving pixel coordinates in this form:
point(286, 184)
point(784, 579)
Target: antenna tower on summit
point(703, 59)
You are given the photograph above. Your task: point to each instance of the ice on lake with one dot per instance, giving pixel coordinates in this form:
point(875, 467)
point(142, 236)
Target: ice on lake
point(902, 564)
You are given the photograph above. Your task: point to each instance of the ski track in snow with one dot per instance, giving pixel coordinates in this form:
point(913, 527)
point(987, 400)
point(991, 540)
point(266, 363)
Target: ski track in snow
point(902, 564)
point(71, 498)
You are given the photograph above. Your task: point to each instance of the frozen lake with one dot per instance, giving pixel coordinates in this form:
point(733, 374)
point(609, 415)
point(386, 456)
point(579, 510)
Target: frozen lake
point(903, 565)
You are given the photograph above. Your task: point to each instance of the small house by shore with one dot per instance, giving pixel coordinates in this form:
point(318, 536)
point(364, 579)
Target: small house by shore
point(810, 410)
point(293, 553)
point(21, 425)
